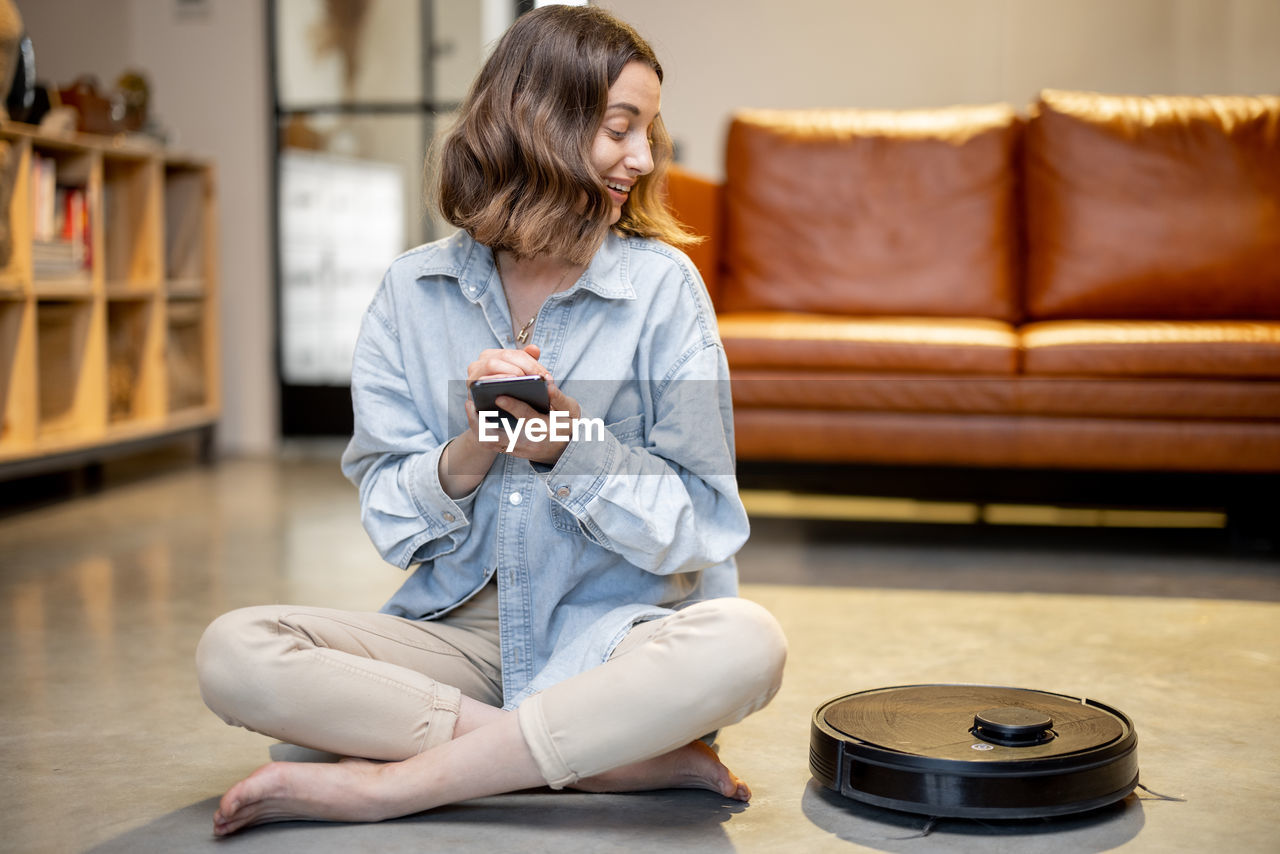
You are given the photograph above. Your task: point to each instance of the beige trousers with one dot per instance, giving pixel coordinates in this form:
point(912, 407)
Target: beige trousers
point(383, 687)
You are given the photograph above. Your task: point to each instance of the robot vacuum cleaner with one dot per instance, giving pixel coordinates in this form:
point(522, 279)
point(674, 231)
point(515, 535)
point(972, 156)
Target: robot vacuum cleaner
point(974, 751)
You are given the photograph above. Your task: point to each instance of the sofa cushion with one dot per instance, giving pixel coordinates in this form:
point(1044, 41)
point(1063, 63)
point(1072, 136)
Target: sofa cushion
point(1152, 348)
point(872, 213)
point(812, 342)
point(1153, 207)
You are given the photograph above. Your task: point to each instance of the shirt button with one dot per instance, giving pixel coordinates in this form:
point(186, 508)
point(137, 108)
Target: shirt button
point(515, 498)
point(562, 492)
point(449, 517)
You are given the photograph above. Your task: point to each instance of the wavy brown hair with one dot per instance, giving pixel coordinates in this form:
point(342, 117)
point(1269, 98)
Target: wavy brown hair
point(515, 169)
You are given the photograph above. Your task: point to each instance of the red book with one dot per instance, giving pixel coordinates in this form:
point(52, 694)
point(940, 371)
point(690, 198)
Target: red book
point(74, 223)
point(86, 235)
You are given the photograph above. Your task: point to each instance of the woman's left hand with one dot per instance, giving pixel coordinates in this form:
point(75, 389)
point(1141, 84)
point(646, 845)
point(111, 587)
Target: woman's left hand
point(541, 437)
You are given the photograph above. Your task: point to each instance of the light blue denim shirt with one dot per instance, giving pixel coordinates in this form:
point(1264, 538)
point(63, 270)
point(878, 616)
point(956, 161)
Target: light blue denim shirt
point(623, 528)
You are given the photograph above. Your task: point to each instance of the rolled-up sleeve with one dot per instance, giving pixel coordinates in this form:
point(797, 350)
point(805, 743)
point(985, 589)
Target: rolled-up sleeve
point(665, 498)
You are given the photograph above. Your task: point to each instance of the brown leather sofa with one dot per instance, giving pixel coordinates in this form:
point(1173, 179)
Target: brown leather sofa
point(1095, 286)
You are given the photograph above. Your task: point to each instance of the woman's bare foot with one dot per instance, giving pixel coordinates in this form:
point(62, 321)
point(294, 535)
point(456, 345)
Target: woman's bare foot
point(473, 765)
point(284, 791)
point(694, 766)
point(486, 761)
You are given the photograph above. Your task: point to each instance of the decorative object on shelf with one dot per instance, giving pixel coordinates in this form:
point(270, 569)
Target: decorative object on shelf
point(93, 106)
point(24, 97)
point(86, 107)
point(59, 121)
point(133, 96)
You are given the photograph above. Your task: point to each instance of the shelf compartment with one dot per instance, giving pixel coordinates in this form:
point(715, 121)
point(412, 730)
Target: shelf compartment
point(134, 389)
point(17, 375)
point(187, 355)
point(61, 197)
point(131, 216)
point(188, 194)
point(69, 365)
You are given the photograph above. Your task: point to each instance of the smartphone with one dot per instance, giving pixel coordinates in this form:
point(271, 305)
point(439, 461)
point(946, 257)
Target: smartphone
point(530, 389)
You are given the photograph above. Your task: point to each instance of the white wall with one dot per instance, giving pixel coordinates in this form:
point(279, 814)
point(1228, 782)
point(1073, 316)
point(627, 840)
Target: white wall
point(211, 86)
point(720, 55)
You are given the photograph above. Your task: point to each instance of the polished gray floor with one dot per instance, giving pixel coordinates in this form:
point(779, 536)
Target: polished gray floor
point(107, 747)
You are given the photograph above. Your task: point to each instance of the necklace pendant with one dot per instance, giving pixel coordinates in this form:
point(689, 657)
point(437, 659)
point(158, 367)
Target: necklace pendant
point(523, 335)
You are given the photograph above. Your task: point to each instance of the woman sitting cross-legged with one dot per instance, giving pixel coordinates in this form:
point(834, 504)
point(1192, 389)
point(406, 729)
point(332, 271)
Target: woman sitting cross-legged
point(571, 619)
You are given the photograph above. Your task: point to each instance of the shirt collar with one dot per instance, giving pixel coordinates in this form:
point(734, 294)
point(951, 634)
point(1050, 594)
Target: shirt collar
point(606, 275)
point(471, 263)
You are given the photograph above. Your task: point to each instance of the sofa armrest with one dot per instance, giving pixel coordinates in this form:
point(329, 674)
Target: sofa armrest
point(698, 202)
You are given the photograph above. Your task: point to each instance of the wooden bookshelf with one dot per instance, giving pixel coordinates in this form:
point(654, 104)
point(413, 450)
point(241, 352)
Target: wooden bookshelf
point(108, 305)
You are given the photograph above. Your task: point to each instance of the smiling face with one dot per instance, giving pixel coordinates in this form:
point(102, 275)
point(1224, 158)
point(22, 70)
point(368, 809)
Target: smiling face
point(621, 153)
point(578, 90)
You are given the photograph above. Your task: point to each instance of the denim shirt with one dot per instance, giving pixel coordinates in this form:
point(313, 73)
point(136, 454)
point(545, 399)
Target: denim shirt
point(626, 526)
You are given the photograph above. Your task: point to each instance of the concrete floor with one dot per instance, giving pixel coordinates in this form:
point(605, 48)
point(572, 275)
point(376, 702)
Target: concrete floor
point(107, 747)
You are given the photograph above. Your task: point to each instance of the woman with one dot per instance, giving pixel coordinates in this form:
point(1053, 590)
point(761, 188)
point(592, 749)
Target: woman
point(572, 618)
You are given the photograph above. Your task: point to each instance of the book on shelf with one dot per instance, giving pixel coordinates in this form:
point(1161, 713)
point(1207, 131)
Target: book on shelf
point(62, 245)
point(44, 183)
point(56, 260)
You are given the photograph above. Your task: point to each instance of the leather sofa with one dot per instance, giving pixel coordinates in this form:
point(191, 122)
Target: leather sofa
point(1092, 286)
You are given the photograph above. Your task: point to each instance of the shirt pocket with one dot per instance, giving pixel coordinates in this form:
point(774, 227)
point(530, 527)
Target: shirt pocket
point(628, 431)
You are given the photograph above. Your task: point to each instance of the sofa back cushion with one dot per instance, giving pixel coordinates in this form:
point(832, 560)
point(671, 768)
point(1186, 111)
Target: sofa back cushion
point(1153, 207)
point(872, 212)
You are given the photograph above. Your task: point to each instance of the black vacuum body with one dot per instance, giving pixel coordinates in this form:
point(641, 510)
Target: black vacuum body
point(974, 751)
